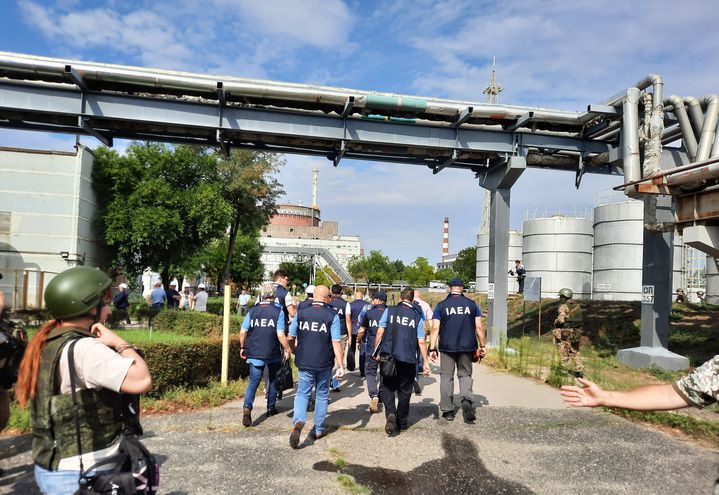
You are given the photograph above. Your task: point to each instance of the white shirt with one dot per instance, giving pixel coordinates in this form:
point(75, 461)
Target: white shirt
point(243, 299)
point(201, 301)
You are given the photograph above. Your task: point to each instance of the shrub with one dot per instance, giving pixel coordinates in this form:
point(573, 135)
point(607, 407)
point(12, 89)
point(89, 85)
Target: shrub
point(193, 364)
point(193, 323)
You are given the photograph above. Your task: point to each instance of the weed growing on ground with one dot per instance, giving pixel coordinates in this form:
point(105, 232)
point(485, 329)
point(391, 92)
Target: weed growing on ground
point(351, 486)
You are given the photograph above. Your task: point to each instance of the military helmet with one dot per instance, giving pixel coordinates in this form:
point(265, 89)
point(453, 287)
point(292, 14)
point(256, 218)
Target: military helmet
point(75, 292)
point(566, 293)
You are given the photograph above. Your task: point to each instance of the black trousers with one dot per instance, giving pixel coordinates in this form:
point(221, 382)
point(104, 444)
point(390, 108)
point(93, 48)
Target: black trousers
point(401, 386)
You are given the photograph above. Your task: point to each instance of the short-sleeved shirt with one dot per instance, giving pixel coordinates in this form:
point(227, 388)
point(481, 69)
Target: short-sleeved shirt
point(201, 301)
point(243, 299)
point(420, 325)
point(157, 296)
point(701, 387)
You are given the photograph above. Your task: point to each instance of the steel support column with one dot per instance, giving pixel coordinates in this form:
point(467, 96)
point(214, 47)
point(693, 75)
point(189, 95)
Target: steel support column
point(499, 180)
point(656, 289)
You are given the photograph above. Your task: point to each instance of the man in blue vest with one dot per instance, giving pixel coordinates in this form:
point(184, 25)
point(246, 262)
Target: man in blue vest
point(457, 326)
point(344, 311)
point(367, 333)
point(284, 298)
point(308, 301)
point(404, 328)
point(355, 310)
point(262, 344)
point(316, 341)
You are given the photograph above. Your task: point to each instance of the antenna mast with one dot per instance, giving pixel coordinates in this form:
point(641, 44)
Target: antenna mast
point(492, 91)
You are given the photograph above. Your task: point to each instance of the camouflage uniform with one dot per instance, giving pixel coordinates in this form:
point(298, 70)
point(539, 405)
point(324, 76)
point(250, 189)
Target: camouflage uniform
point(701, 388)
point(566, 340)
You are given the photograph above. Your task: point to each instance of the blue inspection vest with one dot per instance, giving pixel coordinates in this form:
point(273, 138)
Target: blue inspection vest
point(339, 306)
point(281, 295)
point(456, 324)
point(262, 342)
point(304, 304)
point(371, 324)
point(404, 320)
point(356, 307)
point(314, 340)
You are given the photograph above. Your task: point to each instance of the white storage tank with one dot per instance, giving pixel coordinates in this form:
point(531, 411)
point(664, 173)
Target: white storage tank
point(515, 253)
point(559, 250)
point(712, 275)
point(618, 246)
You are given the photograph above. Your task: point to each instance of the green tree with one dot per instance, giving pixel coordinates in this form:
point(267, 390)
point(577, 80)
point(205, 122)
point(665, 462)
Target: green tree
point(246, 269)
point(397, 269)
point(299, 270)
point(374, 269)
point(466, 264)
point(419, 273)
point(445, 274)
point(251, 189)
point(157, 205)
point(325, 276)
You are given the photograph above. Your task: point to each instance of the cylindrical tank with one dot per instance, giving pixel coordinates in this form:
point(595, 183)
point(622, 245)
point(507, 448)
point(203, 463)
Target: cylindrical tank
point(618, 231)
point(559, 250)
point(515, 253)
point(712, 275)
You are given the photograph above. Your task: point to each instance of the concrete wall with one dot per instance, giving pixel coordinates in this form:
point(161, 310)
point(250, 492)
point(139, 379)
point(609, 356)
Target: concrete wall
point(49, 201)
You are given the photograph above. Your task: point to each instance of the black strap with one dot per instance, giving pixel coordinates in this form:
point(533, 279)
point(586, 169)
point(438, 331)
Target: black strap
point(75, 405)
point(394, 333)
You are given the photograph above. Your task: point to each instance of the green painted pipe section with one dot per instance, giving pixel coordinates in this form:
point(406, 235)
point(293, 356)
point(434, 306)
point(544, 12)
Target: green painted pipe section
point(399, 120)
point(396, 103)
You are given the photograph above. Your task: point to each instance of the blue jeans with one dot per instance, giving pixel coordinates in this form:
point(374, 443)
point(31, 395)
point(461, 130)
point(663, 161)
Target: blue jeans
point(320, 379)
point(255, 378)
point(57, 482)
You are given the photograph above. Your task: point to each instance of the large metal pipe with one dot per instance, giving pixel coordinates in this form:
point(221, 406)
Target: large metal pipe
point(671, 134)
point(630, 139)
point(708, 127)
point(654, 80)
point(20, 66)
point(715, 147)
point(691, 179)
point(690, 142)
point(696, 115)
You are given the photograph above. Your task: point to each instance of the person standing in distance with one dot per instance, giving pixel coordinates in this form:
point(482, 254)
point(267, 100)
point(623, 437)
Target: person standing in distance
point(200, 299)
point(105, 366)
point(317, 343)
point(122, 303)
point(367, 333)
point(243, 301)
point(262, 344)
point(404, 328)
point(456, 330)
point(344, 311)
point(173, 297)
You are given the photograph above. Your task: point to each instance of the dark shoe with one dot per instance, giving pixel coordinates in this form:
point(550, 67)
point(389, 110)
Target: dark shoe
point(279, 395)
point(448, 415)
point(374, 405)
point(390, 428)
point(317, 436)
point(295, 434)
point(271, 412)
point(246, 417)
point(468, 411)
point(417, 388)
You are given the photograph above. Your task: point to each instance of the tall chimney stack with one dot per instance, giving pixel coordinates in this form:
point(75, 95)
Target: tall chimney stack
point(315, 173)
point(445, 238)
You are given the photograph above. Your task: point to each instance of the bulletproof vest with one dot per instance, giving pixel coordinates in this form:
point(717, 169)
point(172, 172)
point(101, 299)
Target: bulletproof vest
point(314, 341)
point(356, 307)
point(456, 324)
point(262, 342)
point(281, 295)
point(304, 304)
point(402, 321)
point(340, 305)
point(371, 323)
point(53, 427)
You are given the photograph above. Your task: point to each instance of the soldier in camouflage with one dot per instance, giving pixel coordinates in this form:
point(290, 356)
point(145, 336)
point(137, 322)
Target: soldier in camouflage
point(699, 388)
point(566, 338)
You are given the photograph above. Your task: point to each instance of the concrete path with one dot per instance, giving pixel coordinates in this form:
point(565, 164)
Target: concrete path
point(524, 441)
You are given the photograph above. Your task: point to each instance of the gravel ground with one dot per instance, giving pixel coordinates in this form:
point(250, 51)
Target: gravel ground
point(521, 443)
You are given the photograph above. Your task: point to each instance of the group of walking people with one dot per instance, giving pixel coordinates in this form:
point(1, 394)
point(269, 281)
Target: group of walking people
point(392, 342)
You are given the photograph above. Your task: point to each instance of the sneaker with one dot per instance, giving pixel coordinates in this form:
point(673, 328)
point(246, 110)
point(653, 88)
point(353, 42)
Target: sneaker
point(272, 411)
point(317, 436)
point(448, 415)
point(390, 428)
point(246, 417)
point(374, 405)
point(295, 434)
point(468, 411)
point(417, 388)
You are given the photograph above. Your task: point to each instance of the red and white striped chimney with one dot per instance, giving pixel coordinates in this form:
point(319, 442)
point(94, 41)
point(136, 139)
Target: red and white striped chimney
point(445, 238)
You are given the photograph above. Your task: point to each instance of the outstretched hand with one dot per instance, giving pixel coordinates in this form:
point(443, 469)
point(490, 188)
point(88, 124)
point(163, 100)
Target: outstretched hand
point(590, 395)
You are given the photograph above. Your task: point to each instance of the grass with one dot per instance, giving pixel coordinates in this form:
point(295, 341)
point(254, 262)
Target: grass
point(181, 399)
point(142, 335)
point(345, 480)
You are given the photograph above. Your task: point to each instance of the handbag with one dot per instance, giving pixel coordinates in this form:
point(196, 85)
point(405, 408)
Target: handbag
point(387, 363)
point(351, 362)
point(285, 381)
point(137, 472)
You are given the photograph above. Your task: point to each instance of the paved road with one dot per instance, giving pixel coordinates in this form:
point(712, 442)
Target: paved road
point(524, 441)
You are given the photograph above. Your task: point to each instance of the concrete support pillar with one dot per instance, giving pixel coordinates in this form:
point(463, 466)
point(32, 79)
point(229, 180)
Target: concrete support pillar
point(656, 289)
point(498, 261)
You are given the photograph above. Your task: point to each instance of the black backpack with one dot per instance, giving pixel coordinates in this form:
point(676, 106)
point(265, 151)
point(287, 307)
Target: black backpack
point(13, 341)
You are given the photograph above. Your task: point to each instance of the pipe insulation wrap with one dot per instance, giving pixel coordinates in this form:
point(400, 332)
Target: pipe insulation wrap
point(397, 103)
point(630, 138)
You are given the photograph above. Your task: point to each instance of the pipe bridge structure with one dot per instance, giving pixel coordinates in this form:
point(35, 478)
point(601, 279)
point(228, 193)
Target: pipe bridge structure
point(664, 149)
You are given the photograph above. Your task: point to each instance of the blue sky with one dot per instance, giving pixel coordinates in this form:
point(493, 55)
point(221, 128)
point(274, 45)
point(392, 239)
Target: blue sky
point(556, 54)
